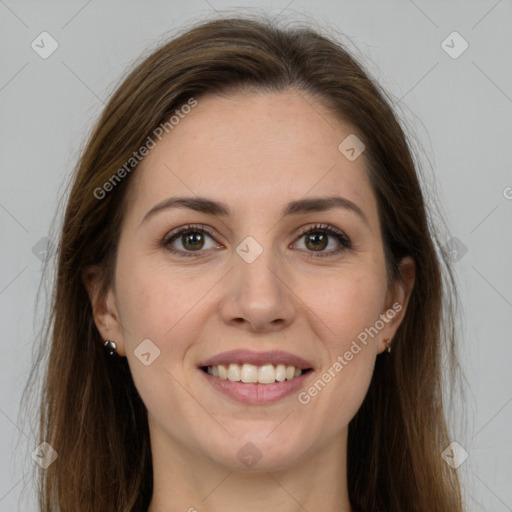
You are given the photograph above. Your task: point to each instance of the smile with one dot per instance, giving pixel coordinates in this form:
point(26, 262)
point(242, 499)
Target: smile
point(251, 374)
point(255, 392)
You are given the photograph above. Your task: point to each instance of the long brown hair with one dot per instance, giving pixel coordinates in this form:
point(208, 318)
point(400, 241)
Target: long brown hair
point(90, 411)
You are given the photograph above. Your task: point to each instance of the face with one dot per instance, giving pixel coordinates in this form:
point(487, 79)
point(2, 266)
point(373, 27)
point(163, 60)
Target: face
point(268, 274)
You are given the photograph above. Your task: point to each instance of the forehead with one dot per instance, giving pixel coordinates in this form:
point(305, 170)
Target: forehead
point(254, 150)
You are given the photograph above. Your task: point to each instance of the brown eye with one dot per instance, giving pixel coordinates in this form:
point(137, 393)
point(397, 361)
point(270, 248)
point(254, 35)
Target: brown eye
point(318, 238)
point(188, 240)
point(316, 241)
point(193, 240)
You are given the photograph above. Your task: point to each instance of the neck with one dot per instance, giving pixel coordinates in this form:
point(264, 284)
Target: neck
point(190, 481)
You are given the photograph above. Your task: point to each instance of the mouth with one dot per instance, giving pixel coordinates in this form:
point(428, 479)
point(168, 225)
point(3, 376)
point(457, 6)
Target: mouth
point(247, 373)
point(256, 385)
point(257, 378)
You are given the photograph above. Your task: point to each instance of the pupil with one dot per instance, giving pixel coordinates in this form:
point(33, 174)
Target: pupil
point(319, 240)
point(195, 237)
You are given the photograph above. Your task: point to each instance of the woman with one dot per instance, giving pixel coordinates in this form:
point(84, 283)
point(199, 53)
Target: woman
point(247, 310)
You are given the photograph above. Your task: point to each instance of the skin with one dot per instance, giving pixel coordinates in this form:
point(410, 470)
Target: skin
point(256, 152)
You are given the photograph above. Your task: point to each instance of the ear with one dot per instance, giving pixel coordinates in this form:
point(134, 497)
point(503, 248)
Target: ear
point(104, 309)
point(396, 302)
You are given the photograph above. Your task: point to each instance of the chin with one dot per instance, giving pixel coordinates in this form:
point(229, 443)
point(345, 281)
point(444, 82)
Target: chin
point(255, 451)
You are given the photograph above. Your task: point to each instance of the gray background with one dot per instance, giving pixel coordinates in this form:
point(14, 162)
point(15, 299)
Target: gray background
point(458, 109)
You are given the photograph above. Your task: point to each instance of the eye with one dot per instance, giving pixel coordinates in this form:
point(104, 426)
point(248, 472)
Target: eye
point(191, 238)
point(316, 239)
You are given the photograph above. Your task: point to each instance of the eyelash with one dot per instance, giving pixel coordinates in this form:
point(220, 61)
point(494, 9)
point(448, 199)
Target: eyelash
point(343, 240)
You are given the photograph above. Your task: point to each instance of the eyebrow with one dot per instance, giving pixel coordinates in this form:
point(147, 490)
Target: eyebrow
point(210, 207)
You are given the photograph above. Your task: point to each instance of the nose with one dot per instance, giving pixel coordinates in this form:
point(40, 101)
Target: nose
point(259, 294)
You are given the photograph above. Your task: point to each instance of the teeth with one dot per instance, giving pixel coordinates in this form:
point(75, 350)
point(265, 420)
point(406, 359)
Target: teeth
point(234, 372)
point(280, 372)
point(223, 373)
point(249, 373)
point(267, 374)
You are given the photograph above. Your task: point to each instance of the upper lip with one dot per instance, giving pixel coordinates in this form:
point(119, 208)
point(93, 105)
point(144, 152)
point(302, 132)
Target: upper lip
point(274, 357)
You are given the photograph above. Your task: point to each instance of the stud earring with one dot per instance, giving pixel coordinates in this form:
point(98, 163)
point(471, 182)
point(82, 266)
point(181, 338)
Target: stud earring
point(110, 346)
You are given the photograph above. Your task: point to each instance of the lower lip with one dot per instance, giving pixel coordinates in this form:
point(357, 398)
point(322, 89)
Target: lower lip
point(257, 394)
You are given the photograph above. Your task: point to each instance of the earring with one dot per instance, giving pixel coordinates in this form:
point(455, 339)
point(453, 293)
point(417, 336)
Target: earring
point(110, 346)
point(388, 344)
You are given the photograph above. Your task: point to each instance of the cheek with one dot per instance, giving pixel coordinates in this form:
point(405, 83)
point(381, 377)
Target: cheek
point(160, 309)
point(157, 304)
point(346, 310)
point(346, 306)
point(350, 306)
